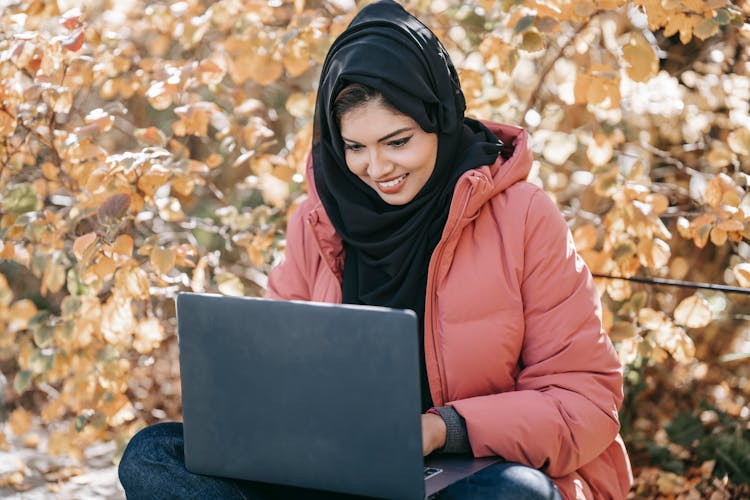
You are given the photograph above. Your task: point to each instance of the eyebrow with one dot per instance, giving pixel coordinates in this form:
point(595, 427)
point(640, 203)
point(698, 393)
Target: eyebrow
point(385, 137)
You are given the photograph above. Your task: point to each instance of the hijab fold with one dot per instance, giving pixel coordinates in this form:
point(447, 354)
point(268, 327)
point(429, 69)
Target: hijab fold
point(388, 248)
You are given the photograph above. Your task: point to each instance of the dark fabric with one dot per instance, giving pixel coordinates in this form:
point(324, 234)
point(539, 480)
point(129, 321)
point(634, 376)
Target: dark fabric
point(456, 435)
point(388, 248)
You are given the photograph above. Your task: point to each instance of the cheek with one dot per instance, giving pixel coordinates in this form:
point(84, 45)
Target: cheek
point(353, 163)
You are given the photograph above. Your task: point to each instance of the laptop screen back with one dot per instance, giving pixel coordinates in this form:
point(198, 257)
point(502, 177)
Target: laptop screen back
point(313, 395)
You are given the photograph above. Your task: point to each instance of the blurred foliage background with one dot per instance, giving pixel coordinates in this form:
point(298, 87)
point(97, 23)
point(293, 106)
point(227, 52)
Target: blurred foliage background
point(152, 147)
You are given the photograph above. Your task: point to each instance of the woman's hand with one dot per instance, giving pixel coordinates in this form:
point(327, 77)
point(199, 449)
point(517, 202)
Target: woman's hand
point(433, 433)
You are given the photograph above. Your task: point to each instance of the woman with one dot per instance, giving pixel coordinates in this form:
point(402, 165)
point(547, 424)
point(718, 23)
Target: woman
point(412, 205)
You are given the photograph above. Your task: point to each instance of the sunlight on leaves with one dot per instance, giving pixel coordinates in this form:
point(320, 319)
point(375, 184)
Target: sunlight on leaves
point(693, 312)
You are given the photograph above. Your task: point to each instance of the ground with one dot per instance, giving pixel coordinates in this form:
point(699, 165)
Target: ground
point(29, 473)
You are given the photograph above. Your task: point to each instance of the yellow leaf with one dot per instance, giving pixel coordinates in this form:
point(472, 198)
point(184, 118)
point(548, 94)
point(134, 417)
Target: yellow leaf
point(731, 225)
point(559, 147)
point(718, 236)
point(118, 410)
point(19, 421)
point(83, 244)
point(210, 73)
point(265, 69)
point(682, 347)
point(599, 152)
point(185, 255)
point(7, 123)
point(701, 234)
point(706, 28)
point(619, 290)
point(660, 253)
point(160, 95)
point(53, 278)
point(742, 273)
point(162, 259)
point(739, 141)
point(124, 245)
point(183, 186)
point(20, 313)
point(60, 99)
point(643, 64)
point(585, 237)
point(719, 157)
point(275, 191)
point(498, 55)
point(150, 136)
point(118, 321)
point(198, 280)
point(148, 335)
point(103, 268)
point(621, 331)
point(154, 178)
point(229, 284)
point(132, 281)
point(532, 41)
point(296, 57)
point(658, 202)
point(628, 349)
point(693, 312)
point(214, 160)
point(300, 105)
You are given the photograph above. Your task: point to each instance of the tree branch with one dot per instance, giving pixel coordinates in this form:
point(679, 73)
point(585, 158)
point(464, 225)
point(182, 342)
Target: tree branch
point(543, 76)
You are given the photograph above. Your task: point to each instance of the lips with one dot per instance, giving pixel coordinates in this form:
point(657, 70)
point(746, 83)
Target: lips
point(388, 185)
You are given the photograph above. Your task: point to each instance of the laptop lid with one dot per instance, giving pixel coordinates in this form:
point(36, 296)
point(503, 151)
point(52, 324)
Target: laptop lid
point(313, 395)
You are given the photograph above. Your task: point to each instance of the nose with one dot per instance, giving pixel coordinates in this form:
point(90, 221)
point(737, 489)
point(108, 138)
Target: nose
point(378, 166)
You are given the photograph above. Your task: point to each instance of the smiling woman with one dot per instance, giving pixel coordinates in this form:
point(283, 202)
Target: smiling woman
point(413, 205)
point(387, 150)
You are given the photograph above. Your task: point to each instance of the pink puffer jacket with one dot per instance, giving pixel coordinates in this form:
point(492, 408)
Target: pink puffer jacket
point(513, 335)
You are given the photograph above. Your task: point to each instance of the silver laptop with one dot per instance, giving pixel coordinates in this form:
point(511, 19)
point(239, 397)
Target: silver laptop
point(306, 394)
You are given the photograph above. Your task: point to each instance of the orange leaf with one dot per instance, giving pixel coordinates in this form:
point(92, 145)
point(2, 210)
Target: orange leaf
point(83, 244)
point(643, 63)
point(210, 73)
point(742, 273)
point(148, 335)
point(19, 421)
point(74, 41)
point(162, 259)
point(585, 237)
point(150, 136)
point(739, 141)
point(20, 313)
point(124, 245)
point(693, 312)
point(71, 19)
point(132, 281)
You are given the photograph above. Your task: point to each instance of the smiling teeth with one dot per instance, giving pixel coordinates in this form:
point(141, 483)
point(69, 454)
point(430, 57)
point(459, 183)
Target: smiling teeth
point(393, 182)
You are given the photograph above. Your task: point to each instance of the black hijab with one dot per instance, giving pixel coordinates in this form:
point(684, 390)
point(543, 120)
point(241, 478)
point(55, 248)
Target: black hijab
point(388, 248)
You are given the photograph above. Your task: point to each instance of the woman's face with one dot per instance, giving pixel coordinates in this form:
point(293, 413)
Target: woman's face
point(389, 151)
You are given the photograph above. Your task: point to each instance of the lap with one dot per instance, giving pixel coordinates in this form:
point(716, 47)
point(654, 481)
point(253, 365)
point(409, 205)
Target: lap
point(154, 461)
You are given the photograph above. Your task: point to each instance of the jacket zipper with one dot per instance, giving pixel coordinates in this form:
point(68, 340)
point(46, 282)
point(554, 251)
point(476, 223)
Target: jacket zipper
point(432, 288)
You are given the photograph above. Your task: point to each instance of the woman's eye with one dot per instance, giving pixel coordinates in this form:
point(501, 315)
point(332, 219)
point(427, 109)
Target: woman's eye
point(399, 142)
point(352, 147)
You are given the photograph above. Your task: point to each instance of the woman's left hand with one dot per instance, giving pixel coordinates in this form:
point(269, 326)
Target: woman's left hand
point(433, 433)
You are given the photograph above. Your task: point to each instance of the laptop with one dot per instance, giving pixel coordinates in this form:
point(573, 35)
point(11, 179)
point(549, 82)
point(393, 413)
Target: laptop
point(313, 395)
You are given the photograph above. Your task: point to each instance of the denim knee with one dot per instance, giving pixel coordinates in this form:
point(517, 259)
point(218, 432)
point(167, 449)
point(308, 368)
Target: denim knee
point(523, 481)
point(156, 444)
point(504, 481)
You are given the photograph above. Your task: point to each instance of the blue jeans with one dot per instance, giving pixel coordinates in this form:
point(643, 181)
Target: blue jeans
point(153, 467)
